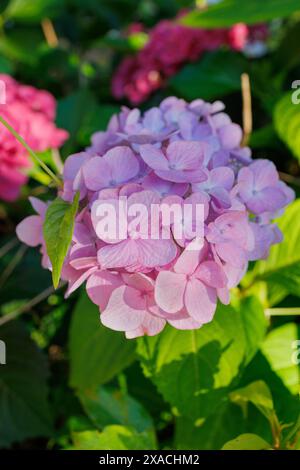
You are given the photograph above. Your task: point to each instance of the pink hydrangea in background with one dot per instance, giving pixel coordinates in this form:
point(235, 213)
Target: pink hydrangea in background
point(187, 152)
point(31, 113)
point(169, 47)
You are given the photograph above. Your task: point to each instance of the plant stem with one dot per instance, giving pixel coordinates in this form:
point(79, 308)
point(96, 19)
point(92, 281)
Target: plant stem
point(31, 152)
point(247, 108)
point(275, 312)
point(7, 272)
point(27, 307)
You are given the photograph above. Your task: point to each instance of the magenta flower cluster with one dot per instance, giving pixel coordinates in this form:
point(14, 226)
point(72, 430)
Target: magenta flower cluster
point(170, 46)
point(31, 112)
point(184, 152)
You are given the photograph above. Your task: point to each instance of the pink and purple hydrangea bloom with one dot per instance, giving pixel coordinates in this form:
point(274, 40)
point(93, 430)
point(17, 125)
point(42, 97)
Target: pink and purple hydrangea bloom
point(183, 152)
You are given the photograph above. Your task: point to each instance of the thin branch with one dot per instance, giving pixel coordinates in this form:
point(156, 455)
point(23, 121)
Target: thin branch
point(277, 312)
point(12, 265)
point(57, 160)
point(49, 32)
point(32, 303)
point(8, 246)
point(289, 178)
point(30, 151)
point(247, 108)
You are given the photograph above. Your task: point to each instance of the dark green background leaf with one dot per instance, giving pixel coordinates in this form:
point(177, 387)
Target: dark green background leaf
point(24, 409)
point(97, 354)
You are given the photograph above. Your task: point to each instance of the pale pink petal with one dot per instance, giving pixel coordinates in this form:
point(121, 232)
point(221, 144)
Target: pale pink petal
point(118, 315)
point(100, 286)
point(211, 274)
point(189, 259)
point(187, 323)
point(154, 253)
point(123, 254)
point(30, 230)
point(200, 301)
point(232, 253)
point(151, 326)
point(169, 291)
point(140, 282)
point(39, 206)
point(77, 280)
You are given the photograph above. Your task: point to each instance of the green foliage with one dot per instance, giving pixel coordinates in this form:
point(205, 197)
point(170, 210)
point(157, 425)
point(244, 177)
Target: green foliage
point(97, 354)
point(24, 409)
point(282, 267)
point(195, 369)
point(256, 393)
point(280, 348)
point(229, 12)
point(218, 74)
point(113, 438)
point(81, 116)
point(255, 324)
point(247, 442)
point(287, 123)
point(107, 406)
point(25, 11)
point(58, 231)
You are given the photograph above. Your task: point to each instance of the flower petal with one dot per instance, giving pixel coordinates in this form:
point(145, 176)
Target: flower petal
point(200, 301)
point(169, 291)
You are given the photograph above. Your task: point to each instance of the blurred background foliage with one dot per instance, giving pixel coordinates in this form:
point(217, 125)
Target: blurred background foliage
point(70, 383)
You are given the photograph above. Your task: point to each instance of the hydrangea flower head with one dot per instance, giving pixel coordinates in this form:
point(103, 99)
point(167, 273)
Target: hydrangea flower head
point(187, 154)
point(170, 46)
point(31, 112)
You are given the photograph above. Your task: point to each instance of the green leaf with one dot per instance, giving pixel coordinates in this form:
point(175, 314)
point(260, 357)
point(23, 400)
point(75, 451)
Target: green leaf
point(285, 404)
point(5, 65)
point(287, 123)
point(255, 324)
point(229, 12)
point(265, 137)
point(81, 116)
point(216, 75)
point(113, 438)
point(224, 425)
point(257, 393)
point(247, 442)
point(22, 45)
point(58, 231)
point(106, 406)
point(193, 369)
point(95, 120)
point(282, 267)
point(287, 55)
point(97, 354)
point(281, 348)
point(24, 410)
point(32, 12)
